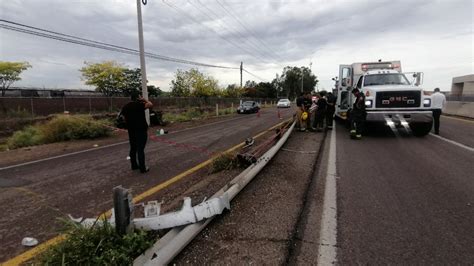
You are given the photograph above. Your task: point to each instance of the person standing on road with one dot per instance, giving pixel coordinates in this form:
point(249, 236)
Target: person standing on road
point(358, 114)
point(330, 109)
point(134, 114)
point(320, 112)
point(299, 111)
point(438, 102)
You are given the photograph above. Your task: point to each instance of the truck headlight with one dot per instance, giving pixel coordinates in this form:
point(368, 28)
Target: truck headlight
point(368, 103)
point(426, 102)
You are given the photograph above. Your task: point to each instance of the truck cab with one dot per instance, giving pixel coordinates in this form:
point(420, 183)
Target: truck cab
point(391, 98)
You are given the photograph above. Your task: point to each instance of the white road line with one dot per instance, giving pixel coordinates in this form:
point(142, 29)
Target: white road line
point(61, 156)
point(328, 236)
point(453, 142)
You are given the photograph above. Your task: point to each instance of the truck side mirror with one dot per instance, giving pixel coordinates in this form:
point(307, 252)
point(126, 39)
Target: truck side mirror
point(418, 78)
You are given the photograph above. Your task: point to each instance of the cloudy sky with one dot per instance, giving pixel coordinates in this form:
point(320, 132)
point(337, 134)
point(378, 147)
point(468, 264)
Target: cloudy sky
point(434, 37)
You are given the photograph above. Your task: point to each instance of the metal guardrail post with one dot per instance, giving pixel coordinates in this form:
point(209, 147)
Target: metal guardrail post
point(123, 210)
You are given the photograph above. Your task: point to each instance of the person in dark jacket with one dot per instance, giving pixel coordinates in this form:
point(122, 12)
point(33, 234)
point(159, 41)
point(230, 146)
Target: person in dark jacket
point(320, 112)
point(137, 126)
point(358, 114)
point(330, 109)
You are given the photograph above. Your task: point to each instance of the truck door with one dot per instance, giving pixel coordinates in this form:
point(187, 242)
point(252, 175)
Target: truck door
point(344, 90)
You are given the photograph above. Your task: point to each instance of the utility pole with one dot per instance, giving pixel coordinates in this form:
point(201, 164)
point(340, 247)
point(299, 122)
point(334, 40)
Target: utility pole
point(241, 68)
point(302, 77)
point(142, 55)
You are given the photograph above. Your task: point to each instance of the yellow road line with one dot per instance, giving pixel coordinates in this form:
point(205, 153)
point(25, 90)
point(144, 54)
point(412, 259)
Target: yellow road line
point(459, 119)
point(30, 254)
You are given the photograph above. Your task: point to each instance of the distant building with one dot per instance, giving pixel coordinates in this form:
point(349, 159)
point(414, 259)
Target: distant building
point(463, 85)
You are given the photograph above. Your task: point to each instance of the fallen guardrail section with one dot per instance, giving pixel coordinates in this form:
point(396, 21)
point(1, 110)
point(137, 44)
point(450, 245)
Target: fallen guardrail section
point(186, 223)
point(172, 243)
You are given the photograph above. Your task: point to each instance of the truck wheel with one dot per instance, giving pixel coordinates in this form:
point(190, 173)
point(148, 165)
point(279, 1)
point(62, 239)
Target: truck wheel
point(421, 129)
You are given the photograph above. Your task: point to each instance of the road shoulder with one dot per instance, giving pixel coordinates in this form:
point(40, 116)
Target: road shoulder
point(262, 223)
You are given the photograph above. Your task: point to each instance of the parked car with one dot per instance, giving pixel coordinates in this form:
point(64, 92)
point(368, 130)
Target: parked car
point(248, 107)
point(284, 103)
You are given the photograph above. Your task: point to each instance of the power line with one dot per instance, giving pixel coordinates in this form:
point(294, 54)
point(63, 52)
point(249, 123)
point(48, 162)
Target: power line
point(95, 44)
point(248, 30)
point(250, 73)
point(219, 35)
point(237, 33)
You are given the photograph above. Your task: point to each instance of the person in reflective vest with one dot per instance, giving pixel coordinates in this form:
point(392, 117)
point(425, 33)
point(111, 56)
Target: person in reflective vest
point(358, 114)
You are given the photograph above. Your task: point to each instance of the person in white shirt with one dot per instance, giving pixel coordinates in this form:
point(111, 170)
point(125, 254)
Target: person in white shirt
point(438, 101)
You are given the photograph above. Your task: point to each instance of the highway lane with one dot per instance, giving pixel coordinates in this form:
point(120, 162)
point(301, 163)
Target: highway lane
point(81, 184)
point(406, 200)
point(457, 129)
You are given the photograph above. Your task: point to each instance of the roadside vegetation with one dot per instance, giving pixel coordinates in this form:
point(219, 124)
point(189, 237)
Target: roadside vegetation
point(98, 245)
point(225, 161)
point(60, 128)
point(194, 114)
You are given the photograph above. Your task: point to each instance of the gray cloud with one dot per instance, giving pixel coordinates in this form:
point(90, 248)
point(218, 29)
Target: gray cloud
point(425, 35)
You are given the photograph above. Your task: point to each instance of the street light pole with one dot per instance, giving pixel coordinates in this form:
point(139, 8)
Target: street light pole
point(302, 77)
point(142, 55)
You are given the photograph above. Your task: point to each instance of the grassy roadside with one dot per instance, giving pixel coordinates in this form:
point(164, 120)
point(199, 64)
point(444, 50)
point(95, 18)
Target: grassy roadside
point(98, 245)
point(60, 128)
point(195, 114)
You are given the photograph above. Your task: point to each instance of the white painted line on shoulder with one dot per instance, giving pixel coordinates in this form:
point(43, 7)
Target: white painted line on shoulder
point(459, 119)
point(453, 142)
point(62, 155)
point(328, 236)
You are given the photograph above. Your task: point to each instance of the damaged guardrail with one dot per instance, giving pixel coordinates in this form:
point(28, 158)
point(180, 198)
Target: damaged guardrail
point(153, 220)
point(187, 222)
point(172, 243)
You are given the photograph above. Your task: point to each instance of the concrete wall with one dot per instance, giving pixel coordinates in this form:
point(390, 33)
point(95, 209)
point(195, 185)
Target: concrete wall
point(465, 109)
point(463, 85)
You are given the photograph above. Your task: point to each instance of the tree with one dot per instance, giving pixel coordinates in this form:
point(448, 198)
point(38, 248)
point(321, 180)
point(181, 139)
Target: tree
point(232, 91)
point(193, 83)
point(132, 81)
point(10, 72)
point(289, 83)
point(266, 90)
point(154, 91)
point(250, 89)
point(108, 77)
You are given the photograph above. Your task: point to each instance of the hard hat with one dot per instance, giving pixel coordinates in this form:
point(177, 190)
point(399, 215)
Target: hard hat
point(304, 115)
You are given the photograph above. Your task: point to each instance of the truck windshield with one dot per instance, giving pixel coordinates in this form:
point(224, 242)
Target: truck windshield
point(384, 79)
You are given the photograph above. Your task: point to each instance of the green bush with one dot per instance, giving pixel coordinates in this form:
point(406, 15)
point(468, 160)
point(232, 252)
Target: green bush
point(60, 128)
point(190, 114)
point(18, 113)
point(98, 245)
point(225, 111)
point(27, 137)
point(63, 128)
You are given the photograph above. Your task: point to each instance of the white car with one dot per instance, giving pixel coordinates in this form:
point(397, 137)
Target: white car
point(284, 103)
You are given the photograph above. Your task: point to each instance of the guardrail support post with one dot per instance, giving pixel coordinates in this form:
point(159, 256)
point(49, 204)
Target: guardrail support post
point(123, 210)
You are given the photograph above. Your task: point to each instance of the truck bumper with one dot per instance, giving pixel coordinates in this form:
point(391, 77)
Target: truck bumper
point(399, 116)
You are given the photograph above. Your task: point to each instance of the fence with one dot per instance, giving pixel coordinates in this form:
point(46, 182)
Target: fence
point(460, 98)
point(45, 106)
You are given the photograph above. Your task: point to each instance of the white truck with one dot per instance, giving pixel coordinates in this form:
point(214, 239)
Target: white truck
point(390, 98)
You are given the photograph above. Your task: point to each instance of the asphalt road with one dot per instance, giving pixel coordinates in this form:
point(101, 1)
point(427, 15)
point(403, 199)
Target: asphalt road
point(400, 200)
point(459, 130)
point(406, 200)
point(33, 196)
